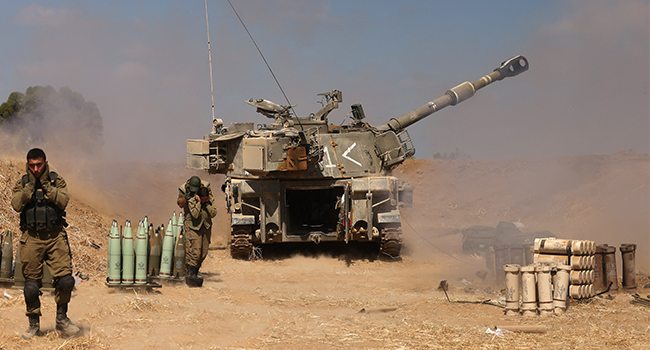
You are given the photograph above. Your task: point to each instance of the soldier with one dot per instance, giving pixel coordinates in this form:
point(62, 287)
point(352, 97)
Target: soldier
point(40, 197)
point(196, 200)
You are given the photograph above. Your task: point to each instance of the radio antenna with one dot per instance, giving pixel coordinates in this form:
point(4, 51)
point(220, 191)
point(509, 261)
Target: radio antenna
point(267, 64)
point(207, 24)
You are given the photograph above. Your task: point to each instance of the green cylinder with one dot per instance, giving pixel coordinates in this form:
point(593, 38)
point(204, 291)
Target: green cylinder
point(141, 255)
point(114, 255)
point(167, 252)
point(127, 254)
point(175, 227)
point(155, 244)
point(179, 256)
point(7, 255)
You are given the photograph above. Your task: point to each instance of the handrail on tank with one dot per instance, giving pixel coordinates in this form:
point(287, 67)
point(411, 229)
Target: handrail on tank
point(458, 94)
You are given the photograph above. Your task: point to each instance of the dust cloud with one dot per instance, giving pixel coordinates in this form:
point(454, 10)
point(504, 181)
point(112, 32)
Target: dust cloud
point(604, 198)
point(119, 189)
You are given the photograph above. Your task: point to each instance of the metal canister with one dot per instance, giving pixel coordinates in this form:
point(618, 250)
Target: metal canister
point(512, 289)
point(528, 291)
point(599, 268)
point(7, 255)
point(611, 275)
point(561, 289)
point(552, 246)
point(544, 290)
point(629, 273)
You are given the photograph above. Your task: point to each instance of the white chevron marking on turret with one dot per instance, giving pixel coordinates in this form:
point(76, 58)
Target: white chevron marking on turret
point(345, 154)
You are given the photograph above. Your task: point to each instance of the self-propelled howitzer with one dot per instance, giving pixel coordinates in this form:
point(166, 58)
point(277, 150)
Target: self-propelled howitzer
point(301, 179)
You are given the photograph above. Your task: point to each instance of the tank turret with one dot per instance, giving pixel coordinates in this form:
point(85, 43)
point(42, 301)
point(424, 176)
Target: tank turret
point(301, 179)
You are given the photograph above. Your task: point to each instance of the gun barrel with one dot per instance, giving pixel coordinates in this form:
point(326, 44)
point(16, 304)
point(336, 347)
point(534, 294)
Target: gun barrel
point(458, 94)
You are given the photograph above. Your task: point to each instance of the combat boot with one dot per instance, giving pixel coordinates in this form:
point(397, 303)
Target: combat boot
point(34, 327)
point(63, 323)
point(193, 280)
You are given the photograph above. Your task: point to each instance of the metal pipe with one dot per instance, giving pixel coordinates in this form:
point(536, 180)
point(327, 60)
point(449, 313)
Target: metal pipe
point(457, 94)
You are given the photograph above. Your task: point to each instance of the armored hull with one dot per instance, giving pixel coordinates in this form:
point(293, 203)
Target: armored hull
point(304, 180)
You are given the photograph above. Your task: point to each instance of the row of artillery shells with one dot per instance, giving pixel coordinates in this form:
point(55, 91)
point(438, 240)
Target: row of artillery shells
point(581, 291)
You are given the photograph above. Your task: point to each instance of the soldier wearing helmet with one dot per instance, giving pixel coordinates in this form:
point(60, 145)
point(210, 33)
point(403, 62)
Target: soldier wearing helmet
point(196, 200)
point(41, 197)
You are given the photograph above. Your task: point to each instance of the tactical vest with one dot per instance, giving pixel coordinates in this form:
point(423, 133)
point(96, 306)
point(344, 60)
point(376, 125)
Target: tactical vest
point(39, 214)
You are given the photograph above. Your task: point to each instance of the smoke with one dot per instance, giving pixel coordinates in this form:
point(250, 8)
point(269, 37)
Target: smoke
point(60, 120)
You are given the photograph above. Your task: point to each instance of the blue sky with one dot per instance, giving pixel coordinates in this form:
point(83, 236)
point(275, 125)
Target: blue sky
point(145, 65)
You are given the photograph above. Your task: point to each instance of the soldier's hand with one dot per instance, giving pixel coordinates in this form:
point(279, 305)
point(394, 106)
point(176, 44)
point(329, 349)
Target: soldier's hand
point(181, 202)
point(44, 178)
point(45, 182)
point(32, 178)
point(198, 199)
point(28, 191)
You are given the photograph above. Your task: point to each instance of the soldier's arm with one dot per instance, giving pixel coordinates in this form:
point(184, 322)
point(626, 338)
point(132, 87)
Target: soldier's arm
point(181, 201)
point(58, 194)
point(22, 195)
point(195, 207)
point(210, 208)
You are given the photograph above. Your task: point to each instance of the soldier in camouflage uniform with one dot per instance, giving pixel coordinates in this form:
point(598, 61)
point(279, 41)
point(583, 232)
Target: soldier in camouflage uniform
point(196, 200)
point(40, 197)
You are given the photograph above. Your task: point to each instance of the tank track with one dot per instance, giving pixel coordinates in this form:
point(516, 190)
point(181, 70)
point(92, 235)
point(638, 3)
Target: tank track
point(241, 246)
point(391, 242)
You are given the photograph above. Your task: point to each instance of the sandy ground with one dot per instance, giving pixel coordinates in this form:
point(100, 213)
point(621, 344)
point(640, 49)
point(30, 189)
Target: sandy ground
point(289, 300)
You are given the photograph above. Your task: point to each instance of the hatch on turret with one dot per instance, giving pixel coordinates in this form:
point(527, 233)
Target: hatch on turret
point(394, 148)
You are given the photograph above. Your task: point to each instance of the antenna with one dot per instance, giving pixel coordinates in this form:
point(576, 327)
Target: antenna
point(207, 24)
point(267, 64)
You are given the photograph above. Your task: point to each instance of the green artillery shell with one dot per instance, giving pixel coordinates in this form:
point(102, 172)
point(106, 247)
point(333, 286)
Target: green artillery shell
point(7, 255)
point(114, 255)
point(167, 252)
point(127, 254)
point(141, 255)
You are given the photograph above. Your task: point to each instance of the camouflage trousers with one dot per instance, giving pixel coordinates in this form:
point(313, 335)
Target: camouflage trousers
point(196, 245)
point(53, 248)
